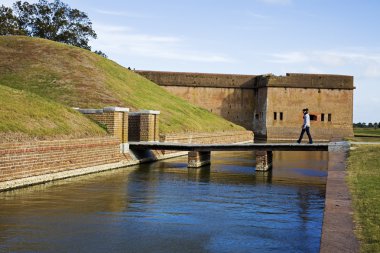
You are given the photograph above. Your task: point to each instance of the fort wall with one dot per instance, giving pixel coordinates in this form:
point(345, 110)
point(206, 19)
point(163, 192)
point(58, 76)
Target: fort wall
point(330, 111)
point(252, 100)
point(230, 96)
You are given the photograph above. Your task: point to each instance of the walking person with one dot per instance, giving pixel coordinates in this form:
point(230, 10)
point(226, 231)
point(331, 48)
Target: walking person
point(305, 126)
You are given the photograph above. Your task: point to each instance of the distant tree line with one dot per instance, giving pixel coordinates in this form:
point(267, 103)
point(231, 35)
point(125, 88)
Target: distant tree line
point(49, 20)
point(365, 125)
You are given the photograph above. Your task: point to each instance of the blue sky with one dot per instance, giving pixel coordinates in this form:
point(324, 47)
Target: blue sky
point(245, 37)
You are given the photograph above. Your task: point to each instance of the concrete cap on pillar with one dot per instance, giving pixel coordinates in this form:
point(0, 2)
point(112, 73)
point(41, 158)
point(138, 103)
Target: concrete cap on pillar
point(115, 109)
point(149, 112)
point(89, 111)
point(144, 112)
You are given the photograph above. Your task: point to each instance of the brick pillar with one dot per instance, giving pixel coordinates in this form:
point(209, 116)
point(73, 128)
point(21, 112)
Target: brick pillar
point(134, 126)
point(198, 159)
point(115, 119)
point(264, 160)
point(149, 125)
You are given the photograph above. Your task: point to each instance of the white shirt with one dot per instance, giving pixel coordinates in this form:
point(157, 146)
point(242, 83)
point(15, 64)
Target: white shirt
point(306, 120)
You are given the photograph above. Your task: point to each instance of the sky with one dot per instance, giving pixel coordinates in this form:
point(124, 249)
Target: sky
point(245, 37)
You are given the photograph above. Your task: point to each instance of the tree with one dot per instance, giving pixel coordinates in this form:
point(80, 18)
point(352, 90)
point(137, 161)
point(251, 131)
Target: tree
point(9, 24)
point(101, 53)
point(54, 21)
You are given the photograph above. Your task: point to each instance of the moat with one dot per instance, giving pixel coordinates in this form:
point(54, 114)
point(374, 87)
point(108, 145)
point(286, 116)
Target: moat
point(166, 207)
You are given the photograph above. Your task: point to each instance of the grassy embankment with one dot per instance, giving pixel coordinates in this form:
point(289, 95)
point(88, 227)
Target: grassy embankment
point(364, 183)
point(25, 115)
point(74, 77)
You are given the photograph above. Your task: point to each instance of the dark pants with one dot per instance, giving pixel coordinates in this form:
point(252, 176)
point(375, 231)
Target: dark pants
point(307, 129)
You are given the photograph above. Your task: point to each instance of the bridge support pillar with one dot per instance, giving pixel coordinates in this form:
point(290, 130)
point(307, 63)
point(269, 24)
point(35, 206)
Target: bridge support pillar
point(264, 160)
point(198, 159)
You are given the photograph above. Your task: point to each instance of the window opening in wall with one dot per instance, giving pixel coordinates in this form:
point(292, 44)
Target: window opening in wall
point(256, 116)
point(281, 116)
point(329, 117)
point(322, 117)
point(313, 117)
point(275, 115)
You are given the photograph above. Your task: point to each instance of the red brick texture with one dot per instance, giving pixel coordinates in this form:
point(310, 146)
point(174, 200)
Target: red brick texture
point(21, 160)
point(209, 138)
point(116, 123)
point(143, 127)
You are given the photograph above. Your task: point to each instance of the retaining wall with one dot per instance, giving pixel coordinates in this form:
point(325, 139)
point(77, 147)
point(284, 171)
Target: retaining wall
point(36, 158)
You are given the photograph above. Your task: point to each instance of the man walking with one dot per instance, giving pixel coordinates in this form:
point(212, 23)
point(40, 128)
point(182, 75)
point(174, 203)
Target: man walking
point(306, 126)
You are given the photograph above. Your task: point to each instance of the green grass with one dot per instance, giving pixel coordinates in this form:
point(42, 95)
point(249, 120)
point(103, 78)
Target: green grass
point(78, 78)
point(367, 132)
point(25, 115)
point(364, 183)
point(365, 135)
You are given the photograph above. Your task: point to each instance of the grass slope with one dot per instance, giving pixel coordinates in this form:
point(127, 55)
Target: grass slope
point(26, 115)
point(78, 78)
point(364, 182)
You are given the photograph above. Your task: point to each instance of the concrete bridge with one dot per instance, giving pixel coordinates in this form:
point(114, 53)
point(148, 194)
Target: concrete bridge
point(200, 154)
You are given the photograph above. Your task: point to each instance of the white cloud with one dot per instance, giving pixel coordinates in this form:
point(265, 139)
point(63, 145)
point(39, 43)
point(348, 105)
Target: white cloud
point(119, 40)
point(9, 3)
point(372, 71)
point(122, 14)
point(289, 57)
point(361, 62)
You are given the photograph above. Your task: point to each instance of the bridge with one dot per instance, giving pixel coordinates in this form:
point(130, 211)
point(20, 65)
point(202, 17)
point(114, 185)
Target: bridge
point(200, 154)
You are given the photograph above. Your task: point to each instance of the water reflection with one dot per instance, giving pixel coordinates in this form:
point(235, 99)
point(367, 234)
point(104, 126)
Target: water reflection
point(165, 207)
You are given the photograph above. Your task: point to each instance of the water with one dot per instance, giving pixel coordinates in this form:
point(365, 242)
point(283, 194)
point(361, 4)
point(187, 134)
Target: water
point(164, 207)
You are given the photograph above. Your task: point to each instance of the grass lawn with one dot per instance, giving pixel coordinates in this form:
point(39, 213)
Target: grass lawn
point(366, 135)
point(364, 183)
point(367, 132)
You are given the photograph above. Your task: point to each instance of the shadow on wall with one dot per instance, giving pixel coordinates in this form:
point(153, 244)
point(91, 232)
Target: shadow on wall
point(238, 107)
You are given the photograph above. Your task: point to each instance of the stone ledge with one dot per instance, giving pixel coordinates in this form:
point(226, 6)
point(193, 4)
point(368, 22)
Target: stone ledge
point(18, 183)
point(89, 111)
point(144, 112)
point(115, 109)
point(338, 225)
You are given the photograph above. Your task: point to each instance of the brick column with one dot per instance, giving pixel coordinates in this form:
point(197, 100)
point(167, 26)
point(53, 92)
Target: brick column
point(118, 125)
point(115, 119)
point(264, 160)
point(143, 126)
point(198, 159)
point(149, 125)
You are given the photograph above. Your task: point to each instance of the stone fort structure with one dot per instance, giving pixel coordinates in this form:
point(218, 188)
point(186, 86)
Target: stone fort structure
point(271, 106)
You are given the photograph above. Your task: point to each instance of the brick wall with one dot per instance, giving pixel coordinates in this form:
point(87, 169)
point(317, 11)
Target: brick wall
point(143, 126)
point(337, 103)
point(209, 138)
point(189, 79)
point(22, 160)
point(115, 119)
point(134, 127)
point(230, 96)
point(204, 138)
point(248, 100)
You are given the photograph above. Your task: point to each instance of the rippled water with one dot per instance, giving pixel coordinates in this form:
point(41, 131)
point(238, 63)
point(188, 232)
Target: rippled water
point(164, 207)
